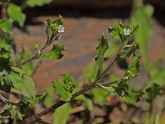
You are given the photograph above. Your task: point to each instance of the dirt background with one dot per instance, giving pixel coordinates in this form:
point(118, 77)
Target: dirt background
point(83, 27)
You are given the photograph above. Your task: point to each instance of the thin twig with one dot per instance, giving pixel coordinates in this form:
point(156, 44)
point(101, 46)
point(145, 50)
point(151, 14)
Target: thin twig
point(108, 83)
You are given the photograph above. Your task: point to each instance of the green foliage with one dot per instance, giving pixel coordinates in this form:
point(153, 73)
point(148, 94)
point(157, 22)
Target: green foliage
point(55, 53)
point(90, 75)
point(132, 70)
point(142, 17)
point(52, 29)
point(61, 115)
point(33, 3)
point(64, 88)
point(16, 73)
point(6, 25)
point(101, 49)
point(15, 13)
point(21, 81)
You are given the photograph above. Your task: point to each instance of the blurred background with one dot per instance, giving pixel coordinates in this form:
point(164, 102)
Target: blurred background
point(84, 21)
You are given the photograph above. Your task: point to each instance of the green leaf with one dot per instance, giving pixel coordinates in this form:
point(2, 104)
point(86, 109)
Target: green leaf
point(36, 46)
point(23, 56)
point(53, 24)
point(142, 17)
point(123, 54)
point(108, 88)
point(99, 96)
point(22, 82)
point(152, 92)
point(115, 32)
point(6, 25)
point(33, 3)
point(132, 70)
point(64, 88)
point(101, 49)
point(61, 114)
point(49, 100)
point(15, 13)
point(132, 97)
point(37, 98)
point(55, 53)
point(8, 111)
point(90, 72)
point(112, 48)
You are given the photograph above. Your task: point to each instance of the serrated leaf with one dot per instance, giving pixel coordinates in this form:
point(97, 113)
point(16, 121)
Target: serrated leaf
point(64, 88)
point(132, 97)
point(22, 82)
point(61, 114)
point(33, 3)
point(101, 49)
point(115, 32)
point(133, 69)
point(55, 53)
point(16, 14)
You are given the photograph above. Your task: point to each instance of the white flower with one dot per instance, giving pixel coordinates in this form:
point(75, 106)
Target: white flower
point(4, 72)
point(60, 29)
point(127, 31)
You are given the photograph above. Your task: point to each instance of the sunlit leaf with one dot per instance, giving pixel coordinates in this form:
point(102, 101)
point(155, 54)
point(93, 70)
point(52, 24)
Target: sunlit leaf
point(6, 25)
point(21, 81)
point(16, 14)
point(33, 3)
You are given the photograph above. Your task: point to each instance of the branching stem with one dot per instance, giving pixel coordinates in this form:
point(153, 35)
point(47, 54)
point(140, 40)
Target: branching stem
point(60, 103)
